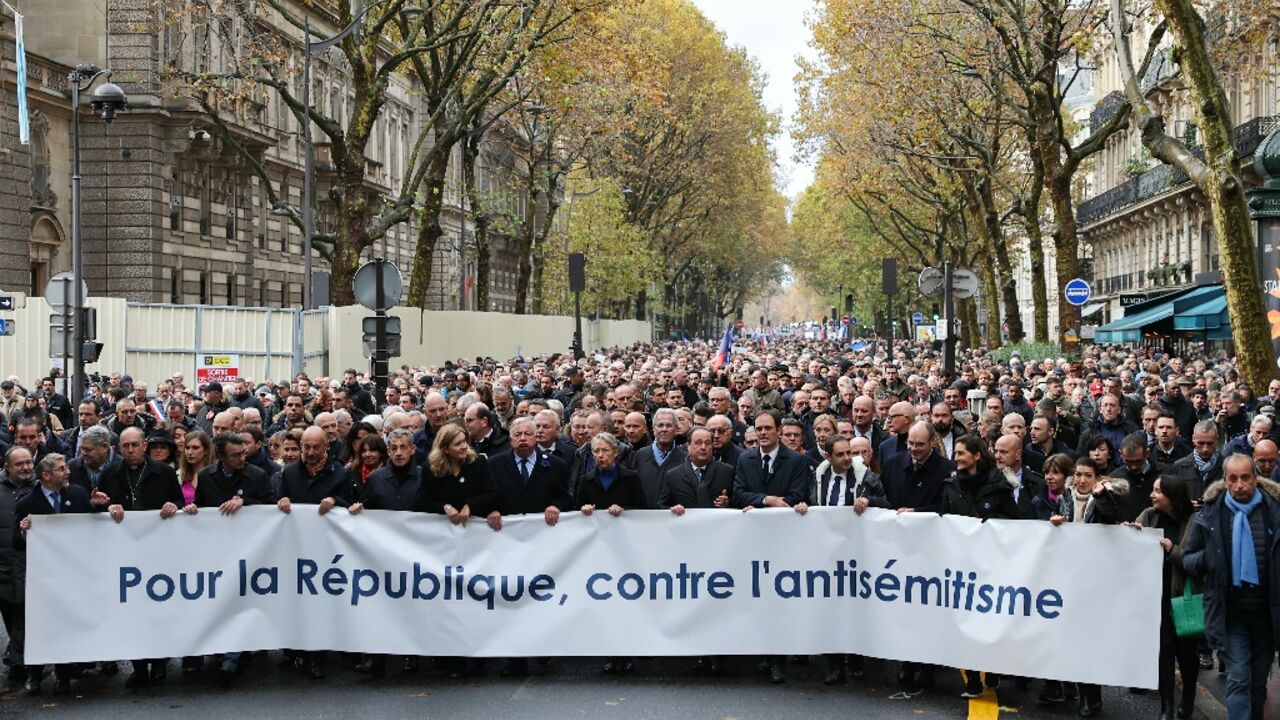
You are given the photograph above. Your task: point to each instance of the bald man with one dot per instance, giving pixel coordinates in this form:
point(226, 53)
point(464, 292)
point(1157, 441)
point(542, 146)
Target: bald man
point(315, 479)
point(1265, 457)
point(1029, 483)
point(896, 424)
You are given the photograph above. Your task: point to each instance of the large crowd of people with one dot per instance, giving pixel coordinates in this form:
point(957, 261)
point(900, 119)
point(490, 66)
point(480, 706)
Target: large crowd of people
point(1120, 436)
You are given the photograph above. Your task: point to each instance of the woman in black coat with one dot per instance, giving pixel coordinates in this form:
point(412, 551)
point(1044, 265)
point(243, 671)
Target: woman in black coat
point(609, 485)
point(612, 486)
point(1171, 512)
point(977, 489)
point(456, 483)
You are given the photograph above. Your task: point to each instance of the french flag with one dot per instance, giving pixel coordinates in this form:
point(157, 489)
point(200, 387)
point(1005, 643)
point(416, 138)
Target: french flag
point(726, 347)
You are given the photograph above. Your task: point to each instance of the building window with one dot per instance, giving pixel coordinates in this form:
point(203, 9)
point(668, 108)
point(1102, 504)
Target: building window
point(204, 288)
point(231, 289)
point(262, 294)
point(174, 296)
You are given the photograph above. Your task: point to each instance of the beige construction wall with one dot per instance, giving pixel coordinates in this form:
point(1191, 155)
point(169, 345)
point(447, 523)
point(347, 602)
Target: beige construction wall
point(151, 342)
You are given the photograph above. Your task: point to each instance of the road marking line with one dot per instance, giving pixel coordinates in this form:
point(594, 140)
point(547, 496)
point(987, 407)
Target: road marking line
point(985, 707)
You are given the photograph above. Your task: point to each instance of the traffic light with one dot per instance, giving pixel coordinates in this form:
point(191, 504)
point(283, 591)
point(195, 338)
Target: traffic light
point(848, 304)
point(91, 351)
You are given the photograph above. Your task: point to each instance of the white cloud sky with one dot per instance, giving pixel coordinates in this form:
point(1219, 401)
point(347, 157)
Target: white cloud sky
point(773, 32)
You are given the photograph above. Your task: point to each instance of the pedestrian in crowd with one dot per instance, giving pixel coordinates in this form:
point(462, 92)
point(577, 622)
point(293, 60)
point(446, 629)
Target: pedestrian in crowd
point(197, 454)
point(1172, 513)
point(1231, 550)
point(138, 483)
point(53, 495)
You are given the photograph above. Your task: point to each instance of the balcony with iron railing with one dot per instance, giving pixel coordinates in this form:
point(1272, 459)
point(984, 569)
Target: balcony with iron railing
point(1164, 178)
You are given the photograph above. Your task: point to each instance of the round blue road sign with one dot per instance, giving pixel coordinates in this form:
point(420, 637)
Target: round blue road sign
point(1077, 292)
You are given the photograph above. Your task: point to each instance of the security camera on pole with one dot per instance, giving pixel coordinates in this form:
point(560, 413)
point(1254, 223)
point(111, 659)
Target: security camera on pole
point(106, 101)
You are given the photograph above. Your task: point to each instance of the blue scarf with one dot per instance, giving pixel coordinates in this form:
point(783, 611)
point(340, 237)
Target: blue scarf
point(1244, 561)
point(607, 478)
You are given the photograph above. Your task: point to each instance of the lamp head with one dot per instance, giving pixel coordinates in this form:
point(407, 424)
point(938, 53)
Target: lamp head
point(108, 100)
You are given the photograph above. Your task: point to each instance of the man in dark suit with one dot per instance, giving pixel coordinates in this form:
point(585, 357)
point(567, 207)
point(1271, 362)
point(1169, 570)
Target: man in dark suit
point(652, 461)
point(53, 496)
point(231, 482)
point(913, 479)
point(913, 483)
point(722, 445)
point(847, 483)
point(139, 483)
point(528, 481)
point(547, 434)
point(96, 457)
point(770, 475)
point(700, 481)
point(315, 479)
point(863, 414)
point(901, 415)
point(395, 486)
point(56, 403)
point(1030, 484)
point(485, 437)
point(228, 485)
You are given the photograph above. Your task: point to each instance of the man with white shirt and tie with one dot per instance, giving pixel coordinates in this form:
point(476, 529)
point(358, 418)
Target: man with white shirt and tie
point(528, 482)
point(846, 480)
point(54, 495)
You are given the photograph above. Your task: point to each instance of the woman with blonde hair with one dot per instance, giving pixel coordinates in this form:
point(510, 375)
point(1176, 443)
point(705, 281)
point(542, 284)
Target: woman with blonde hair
point(456, 483)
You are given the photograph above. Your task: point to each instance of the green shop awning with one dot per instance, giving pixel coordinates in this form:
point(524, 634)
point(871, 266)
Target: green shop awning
point(1161, 317)
point(1207, 315)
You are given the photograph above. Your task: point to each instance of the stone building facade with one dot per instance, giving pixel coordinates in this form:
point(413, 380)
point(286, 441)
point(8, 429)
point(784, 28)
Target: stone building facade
point(1148, 228)
point(171, 213)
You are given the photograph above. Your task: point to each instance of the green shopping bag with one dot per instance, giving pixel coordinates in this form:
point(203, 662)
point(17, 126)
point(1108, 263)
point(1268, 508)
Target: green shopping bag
point(1188, 613)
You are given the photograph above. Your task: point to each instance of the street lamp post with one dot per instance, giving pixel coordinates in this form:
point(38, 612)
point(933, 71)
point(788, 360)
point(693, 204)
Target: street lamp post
point(106, 101)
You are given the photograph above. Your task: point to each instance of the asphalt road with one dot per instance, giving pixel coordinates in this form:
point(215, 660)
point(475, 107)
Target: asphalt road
point(567, 688)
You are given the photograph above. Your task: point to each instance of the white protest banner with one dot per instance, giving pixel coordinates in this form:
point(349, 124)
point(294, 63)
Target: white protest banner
point(1015, 597)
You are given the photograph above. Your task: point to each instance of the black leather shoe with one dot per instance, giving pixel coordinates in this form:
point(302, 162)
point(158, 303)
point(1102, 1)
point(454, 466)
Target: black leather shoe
point(158, 673)
point(61, 686)
point(610, 667)
point(138, 679)
point(699, 666)
point(626, 666)
point(1186, 709)
point(1088, 710)
point(776, 674)
point(31, 686)
point(410, 664)
point(906, 677)
point(717, 667)
point(835, 677)
point(314, 672)
point(226, 677)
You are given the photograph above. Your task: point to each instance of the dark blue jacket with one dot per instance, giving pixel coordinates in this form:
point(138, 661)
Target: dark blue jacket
point(1207, 555)
point(393, 488)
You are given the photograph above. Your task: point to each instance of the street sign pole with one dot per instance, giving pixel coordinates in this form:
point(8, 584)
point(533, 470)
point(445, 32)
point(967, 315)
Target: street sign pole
point(949, 309)
point(1077, 292)
point(380, 347)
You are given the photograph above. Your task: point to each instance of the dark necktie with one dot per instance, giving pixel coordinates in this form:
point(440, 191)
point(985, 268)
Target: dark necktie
point(766, 465)
point(698, 472)
point(56, 500)
point(524, 469)
point(833, 497)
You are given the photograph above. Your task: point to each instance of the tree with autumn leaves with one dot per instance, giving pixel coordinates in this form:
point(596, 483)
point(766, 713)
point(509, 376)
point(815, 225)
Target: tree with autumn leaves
point(643, 97)
point(946, 119)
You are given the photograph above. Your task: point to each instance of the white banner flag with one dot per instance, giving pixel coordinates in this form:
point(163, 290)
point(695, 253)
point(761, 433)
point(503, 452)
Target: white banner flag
point(1022, 598)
